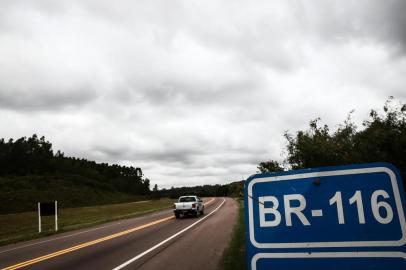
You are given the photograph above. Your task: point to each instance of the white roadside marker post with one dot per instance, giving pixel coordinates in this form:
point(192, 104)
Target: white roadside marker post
point(39, 217)
point(56, 216)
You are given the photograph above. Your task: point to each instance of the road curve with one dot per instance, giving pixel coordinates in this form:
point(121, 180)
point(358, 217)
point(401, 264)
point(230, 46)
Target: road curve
point(149, 242)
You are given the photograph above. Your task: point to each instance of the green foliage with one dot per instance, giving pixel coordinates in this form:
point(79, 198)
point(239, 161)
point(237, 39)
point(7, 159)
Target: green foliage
point(382, 139)
point(31, 172)
point(25, 156)
point(35, 156)
point(155, 192)
point(155, 189)
point(234, 189)
point(269, 166)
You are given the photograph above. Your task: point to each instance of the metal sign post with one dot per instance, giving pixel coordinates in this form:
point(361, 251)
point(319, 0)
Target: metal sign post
point(346, 217)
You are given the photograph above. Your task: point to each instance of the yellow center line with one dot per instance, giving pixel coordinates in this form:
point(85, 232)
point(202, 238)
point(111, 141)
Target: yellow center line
point(90, 243)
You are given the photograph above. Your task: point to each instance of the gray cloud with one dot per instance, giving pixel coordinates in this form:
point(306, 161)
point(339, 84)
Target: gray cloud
point(29, 101)
point(377, 21)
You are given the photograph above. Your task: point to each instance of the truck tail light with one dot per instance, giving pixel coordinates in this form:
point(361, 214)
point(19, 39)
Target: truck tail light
point(194, 205)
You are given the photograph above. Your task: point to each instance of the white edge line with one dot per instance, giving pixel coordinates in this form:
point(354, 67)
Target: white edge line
point(308, 255)
point(167, 239)
point(58, 238)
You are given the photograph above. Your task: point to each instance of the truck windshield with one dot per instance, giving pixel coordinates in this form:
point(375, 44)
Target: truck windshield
point(187, 199)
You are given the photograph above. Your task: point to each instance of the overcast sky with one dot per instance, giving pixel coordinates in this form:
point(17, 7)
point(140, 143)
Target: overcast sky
point(193, 92)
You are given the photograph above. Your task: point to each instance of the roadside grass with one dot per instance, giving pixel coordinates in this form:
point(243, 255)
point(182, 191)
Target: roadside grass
point(234, 258)
point(24, 226)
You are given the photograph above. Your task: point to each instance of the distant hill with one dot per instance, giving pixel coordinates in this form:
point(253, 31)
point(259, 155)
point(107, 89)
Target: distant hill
point(30, 172)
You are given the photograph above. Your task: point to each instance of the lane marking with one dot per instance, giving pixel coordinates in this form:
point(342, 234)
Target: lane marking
point(90, 243)
point(167, 239)
point(58, 238)
point(139, 202)
point(147, 215)
point(94, 229)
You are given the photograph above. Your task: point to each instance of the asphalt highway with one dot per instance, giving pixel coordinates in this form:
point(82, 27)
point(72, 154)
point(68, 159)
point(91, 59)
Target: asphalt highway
point(153, 241)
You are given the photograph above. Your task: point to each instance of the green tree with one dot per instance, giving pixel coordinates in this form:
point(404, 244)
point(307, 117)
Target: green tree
point(269, 166)
point(382, 138)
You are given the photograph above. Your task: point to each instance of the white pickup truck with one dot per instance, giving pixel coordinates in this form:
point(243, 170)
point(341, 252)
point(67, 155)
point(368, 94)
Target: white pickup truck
point(188, 205)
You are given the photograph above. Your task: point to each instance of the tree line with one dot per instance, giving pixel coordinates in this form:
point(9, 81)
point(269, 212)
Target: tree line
point(34, 156)
point(234, 189)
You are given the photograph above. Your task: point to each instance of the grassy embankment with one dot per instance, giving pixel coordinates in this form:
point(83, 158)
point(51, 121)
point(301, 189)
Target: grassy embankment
point(21, 193)
point(24, 226)
point(234, 258)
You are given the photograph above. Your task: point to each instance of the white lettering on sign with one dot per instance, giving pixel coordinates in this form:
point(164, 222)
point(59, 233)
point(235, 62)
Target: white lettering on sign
point(340, 211)
point(381, 210)
point(357, 198)
point(269, 210)
point(317, 213)
point(376, 205)
point(289, 210)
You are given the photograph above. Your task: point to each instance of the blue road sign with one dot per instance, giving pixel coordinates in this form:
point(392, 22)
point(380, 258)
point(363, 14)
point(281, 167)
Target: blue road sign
point(346, 217)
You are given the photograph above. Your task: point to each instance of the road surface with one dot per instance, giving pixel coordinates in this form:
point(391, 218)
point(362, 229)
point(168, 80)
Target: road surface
point(154, 241)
